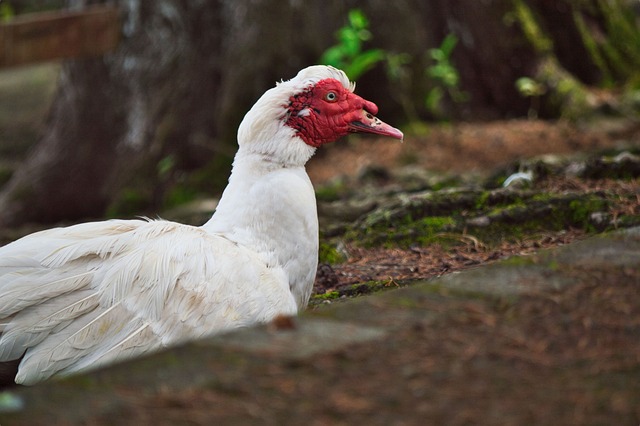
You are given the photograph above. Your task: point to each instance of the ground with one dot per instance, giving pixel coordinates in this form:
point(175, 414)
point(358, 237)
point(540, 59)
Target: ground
point(554, 343)
point(472, 147)
point(463, 367)
point(474, 150)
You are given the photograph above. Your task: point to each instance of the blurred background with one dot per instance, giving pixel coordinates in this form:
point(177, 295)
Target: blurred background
point(145, 122)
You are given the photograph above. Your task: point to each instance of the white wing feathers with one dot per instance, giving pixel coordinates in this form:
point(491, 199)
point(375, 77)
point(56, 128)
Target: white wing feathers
point(75, 298)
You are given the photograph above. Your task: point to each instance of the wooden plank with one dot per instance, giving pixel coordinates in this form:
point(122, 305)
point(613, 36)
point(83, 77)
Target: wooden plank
point(92, 31)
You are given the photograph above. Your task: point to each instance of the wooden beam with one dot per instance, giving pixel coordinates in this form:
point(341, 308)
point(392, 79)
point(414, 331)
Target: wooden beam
point(35, 37)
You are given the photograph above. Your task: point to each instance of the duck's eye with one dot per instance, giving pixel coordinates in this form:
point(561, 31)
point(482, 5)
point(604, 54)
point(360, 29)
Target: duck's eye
point(331, 97)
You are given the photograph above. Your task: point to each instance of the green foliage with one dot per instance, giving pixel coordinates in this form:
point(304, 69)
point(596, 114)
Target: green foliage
point(444, 76)
point(443, 71)
point(617, 55)
point(614, 48)
point(348, 54)
point(6, 11)
point(532, 30)
point(400, 74)
point(165, 166)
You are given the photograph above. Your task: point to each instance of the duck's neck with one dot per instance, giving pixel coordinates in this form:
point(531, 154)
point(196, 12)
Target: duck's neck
point(270, 209)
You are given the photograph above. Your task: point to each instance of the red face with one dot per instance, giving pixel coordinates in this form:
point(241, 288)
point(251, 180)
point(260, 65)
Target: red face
point(326, 111)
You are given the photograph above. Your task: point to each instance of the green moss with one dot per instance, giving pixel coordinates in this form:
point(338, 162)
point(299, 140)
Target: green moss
point(329, 295)
point(328, 253)
point(404, 232)
point(332, 191)
point(510, 215)
point(359, 289)
point(581, 209)
point(367, 287)
point(541, 213)
point(482, 200)
point(448, 183)
point(429, 228)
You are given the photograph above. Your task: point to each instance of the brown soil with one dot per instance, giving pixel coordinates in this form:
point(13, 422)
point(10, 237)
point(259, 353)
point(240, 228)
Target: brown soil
point(470, 147)
point(397, 266)
point(481, 364)
point(477, 148)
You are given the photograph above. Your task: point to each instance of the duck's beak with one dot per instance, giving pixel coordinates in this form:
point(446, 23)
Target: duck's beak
point(368, 123)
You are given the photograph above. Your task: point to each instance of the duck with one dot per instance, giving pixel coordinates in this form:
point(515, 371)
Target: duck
point(80, 297)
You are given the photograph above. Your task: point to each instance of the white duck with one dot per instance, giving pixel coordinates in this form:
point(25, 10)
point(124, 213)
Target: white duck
point(78, 297)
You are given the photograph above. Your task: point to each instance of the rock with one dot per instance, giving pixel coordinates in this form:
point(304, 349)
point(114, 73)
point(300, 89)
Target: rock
point(624, 165)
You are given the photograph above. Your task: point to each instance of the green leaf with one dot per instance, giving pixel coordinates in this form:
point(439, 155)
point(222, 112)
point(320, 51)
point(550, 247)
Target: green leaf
point(166, 165)
point(351, 43)
point(357, 19)
point(364, 62)
point(333, 56)
point(448, 44)
point(437, 55)
point(432, 101)
point(348, 54)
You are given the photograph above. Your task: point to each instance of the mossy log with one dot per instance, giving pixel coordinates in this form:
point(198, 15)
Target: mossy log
point(484, 212)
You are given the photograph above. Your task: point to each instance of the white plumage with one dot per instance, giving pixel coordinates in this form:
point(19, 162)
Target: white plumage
point(78, 297)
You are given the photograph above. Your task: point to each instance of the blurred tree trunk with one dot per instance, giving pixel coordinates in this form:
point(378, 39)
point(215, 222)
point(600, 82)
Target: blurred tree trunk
point(169, 100)
point(119, 115)
point(68, 172)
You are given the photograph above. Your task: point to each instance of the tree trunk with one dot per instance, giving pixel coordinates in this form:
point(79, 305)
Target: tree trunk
point(68, 173)
point(119, 115)
point(169, 100)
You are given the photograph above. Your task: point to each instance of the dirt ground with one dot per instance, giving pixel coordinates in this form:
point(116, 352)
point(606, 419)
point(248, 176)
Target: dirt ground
point(467, 148)
point(472, 147)
point(565, 358)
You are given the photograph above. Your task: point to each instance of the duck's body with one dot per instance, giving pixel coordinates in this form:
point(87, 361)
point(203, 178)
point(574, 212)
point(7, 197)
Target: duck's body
point(78, 297)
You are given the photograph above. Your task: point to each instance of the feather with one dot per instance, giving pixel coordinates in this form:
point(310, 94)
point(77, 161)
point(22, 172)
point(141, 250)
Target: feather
point(31, 326)
point(75, 298)
point(23, 289)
